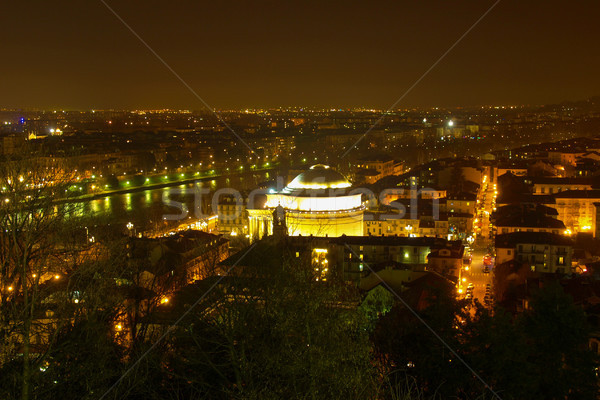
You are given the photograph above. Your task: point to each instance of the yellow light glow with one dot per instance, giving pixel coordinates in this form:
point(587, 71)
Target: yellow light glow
point(311, 203)
point(10, 288)
point(57, 276)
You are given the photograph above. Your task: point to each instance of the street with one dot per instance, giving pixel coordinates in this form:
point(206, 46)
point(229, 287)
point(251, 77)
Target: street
point(473, 274)
point(476, 276)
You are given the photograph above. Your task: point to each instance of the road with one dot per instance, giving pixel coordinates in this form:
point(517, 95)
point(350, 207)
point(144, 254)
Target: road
point(486, 204)
point(476, 275)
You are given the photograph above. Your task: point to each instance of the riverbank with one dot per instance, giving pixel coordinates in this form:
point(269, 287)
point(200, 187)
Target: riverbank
point(160, 185)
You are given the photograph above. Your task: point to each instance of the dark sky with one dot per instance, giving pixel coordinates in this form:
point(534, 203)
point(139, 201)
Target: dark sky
point(77, 55)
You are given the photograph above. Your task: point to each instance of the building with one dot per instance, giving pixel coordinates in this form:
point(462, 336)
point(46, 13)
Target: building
point(232, 216)
point(354, 258)
point(190, 256)
point(551, 185)
point(527, 218)
point(318, 202)
point(542, 251)
point(354, 255)
point(533, 223)
point(447, 261)
point(577, 210)
point(565, 157)
point(462, 203)
point(383, 164)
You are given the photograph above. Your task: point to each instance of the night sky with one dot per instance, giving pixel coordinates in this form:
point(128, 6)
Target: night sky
point(237, 54)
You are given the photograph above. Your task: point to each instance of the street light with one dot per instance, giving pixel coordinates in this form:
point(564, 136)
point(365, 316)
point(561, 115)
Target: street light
point(130, 228)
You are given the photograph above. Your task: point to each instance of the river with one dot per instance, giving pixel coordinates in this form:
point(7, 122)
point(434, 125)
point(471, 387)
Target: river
point(146, 208)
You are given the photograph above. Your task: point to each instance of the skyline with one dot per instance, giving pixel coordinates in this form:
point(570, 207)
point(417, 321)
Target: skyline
point(271, 55)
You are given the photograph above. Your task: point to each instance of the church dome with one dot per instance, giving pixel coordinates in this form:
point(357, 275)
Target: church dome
point(319, 176)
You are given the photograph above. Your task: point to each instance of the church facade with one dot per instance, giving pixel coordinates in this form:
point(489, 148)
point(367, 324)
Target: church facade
point(318, 202)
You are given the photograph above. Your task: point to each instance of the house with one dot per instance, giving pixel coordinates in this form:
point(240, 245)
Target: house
point(542, 251)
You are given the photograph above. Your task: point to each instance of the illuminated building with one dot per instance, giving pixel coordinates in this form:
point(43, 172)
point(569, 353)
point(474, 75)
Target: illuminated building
point(576, 208)
point(318, 202)
point(355, 258)
point(551, 185)
point(541, 251)
point(373, 168)
point(232, 217)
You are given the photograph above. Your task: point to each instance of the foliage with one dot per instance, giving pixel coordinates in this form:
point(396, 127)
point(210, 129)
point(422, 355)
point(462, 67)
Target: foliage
point(540, 354)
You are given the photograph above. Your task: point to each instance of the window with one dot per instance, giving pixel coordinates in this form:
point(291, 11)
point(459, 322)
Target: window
point(561, 260)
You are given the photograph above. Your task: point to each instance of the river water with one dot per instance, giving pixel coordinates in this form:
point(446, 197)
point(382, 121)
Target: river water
point(146, 208)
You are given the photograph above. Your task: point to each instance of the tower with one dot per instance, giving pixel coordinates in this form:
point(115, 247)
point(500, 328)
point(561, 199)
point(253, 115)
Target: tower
point(279, 226)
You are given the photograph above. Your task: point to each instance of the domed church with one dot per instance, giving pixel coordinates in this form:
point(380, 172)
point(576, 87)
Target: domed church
point(318, 202)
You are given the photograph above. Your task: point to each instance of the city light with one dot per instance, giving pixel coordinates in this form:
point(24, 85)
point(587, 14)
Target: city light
point(288, 232)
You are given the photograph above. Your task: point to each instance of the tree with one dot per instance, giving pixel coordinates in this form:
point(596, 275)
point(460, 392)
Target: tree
point(410, 348)
point(272, 331)
point(44, 256)
point(497, 348)
point(557, 336)
point(30, 255)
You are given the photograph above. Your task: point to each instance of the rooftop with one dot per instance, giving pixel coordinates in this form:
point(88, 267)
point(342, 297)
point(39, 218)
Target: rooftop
point(318, 176)
point(511, 240)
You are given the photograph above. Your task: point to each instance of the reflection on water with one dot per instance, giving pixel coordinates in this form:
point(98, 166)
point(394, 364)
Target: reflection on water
point(128, 202)
point(143, 206)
